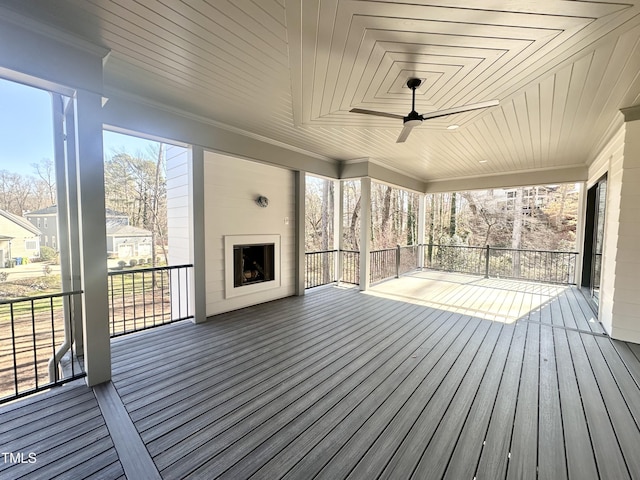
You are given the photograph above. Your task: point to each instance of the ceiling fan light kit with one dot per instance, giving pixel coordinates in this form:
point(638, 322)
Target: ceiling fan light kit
point(414, 118)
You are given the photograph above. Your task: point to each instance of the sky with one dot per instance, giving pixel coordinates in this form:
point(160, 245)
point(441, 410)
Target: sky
point(26, 130)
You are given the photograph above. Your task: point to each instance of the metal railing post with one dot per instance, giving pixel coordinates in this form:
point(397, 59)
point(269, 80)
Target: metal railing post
point(486, 263)
point(398, 261)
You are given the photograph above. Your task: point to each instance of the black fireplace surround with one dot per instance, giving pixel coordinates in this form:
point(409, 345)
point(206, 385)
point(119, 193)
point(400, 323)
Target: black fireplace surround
point(253, 264)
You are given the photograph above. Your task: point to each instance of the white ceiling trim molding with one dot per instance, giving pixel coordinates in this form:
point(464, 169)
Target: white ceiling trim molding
point(516, 179)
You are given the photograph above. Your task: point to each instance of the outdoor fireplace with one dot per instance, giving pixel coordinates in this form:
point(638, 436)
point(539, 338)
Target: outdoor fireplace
point(252, 263)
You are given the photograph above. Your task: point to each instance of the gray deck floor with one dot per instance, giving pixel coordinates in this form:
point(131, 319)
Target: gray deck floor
point(429, 376)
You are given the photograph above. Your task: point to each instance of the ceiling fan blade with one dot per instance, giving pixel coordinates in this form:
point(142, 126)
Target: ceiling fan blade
point(405, 133)
point(460, 109)
point(377, 114)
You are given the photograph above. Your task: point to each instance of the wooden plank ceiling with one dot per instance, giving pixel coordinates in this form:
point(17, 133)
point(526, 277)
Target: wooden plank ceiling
point(291, 71)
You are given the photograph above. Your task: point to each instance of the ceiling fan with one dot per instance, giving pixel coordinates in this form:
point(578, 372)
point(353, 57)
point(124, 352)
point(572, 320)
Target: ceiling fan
point(414, 118)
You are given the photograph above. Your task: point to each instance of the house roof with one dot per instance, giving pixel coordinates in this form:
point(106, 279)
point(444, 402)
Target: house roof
point(21, 221)
point(115, 230)
point(289, 73)
point(53, 210)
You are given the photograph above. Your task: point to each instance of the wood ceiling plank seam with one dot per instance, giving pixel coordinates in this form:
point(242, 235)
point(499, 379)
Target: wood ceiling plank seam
point(148, 26)
point(492, 154)
point(203, 72)
point(243, 38)
point(562, 82)
point(558, 52)
point(500, 38)
point(456, 31)
point(455, 95)
point(193, 24)
point(598, 60)
point(532, 100)
point(276, 14)
point(524, 128)
point(515, 65)
point(546, 88)
point(176, 75)
point(309, 38)
point(474, 16)
point(345, 34)
point(456, 152)
point(499, 152)
point(258, 28)
point(508, 110)
point(622, 68)
point(375, 57)
point(325, 33)
point(449, 73)
point(559, 7)
point(474, 152)
point(299, 43)
point(347, 76)
point(576, 84)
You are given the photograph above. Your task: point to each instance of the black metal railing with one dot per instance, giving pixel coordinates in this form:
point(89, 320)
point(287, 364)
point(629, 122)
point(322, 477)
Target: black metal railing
point(521, 264)
point(148, 297)
point(350, 267)
point(384, 264)
point(408, 258)
point(320, 268)
point(37, 343)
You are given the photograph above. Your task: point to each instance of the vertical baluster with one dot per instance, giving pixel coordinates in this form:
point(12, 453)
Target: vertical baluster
point(13, 342)
point(35, 346)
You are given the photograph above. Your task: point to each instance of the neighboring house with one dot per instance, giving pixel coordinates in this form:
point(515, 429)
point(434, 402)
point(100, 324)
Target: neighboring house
point(123, 240)
point(18, 238)
point(46, 220)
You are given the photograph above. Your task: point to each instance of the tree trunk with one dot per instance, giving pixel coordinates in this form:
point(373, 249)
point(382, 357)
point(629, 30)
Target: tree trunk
point(354, 223)
point(516, 236)
point(452, 217)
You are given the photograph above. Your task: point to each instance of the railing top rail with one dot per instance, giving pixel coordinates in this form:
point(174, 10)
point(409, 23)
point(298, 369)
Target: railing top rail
point(502, 248)
point(532, 250)
point(384, 250)
point(322, 251)
point(40, 297)
point(148, 269)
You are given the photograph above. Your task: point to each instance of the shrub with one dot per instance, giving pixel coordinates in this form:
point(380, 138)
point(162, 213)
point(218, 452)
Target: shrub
point(122, 264)
point(47, 254)
point(3, 276)
point(46, 270)
point(133, 262)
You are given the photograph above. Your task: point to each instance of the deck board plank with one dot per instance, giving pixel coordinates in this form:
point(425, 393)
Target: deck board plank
point(524, 438)
point(427, 376)
point(552, 464)
point(297, 391)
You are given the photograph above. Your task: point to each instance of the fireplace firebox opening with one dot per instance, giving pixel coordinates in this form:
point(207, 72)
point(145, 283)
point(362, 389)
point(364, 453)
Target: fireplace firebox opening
point(253, 264)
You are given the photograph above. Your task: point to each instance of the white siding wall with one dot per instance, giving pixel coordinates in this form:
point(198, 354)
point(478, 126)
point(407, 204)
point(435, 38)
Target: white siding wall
point(610, 162)
point(178, 201)
point(626, 305)
point(620, 302)
point(231, 186)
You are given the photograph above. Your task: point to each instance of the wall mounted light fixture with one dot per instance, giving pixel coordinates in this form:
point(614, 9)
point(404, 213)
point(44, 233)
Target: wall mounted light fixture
point(262, 201)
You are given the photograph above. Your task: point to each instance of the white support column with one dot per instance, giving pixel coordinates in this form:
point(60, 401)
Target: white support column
point(197, 234)
point(93, 237)
point(73, 214)
point(422, 198)
point(300, 195)
point(365, 232)
point(338, 225)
